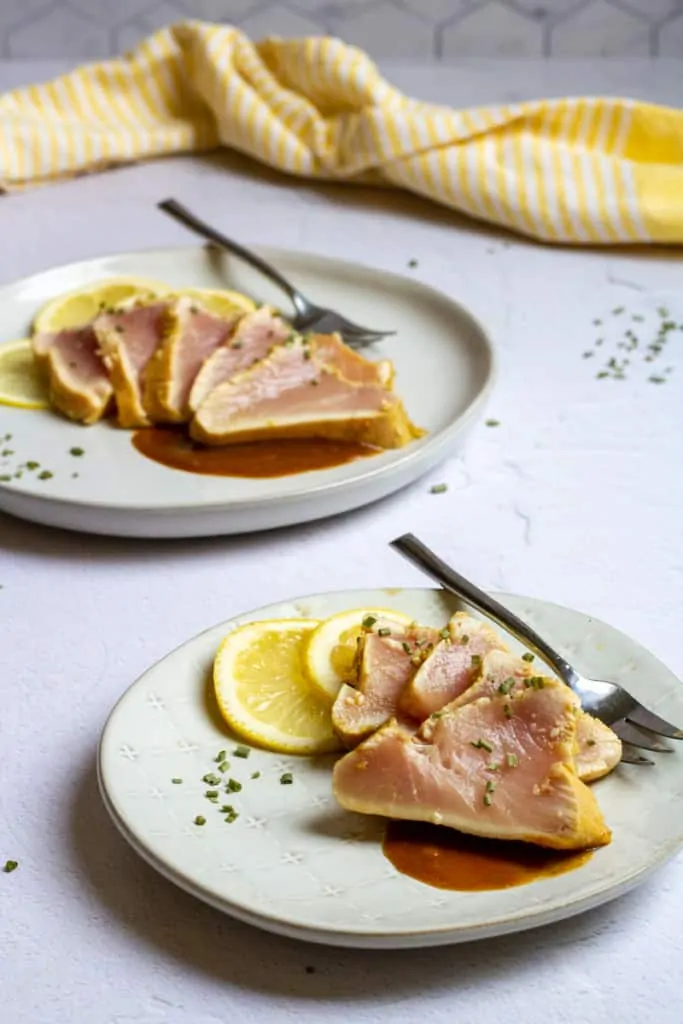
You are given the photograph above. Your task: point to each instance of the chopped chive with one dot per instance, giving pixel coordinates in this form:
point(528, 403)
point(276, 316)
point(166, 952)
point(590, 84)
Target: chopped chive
point(233, 786)
point(227, 809)
point(492, 423)
point(464, 639)
point(507, 710)
point(445, 633)
point(369, 621)
point(657, 380)
point(590, 743)
point(45, 475)
point(220, 756)
point(588, 355)
point(490, 786)
point(537, 682)
point(663, 312)
point(487, 799)
point(406, 647)
point(230, 818)
point(506, 686)
point(256, 775)
point(211, 794)
point(307, 353)
point(617, 311)
point(5, 478)
point(211, 779)
point(287, 779)
point(32, 465)
point(223, 766)
point(493, 767)
point(200, 820)
point(511, 760)
point(412, 263)
point(602, 375)
point(597, 323)
point(475, 660)
point(384, 631)
point(438, 489)
point(437, 714)
point(481, 745)
point(177, 782)
point(240, 751)
point(637, 318)
point(10, 866)
point(76, 451)
point(528, 656)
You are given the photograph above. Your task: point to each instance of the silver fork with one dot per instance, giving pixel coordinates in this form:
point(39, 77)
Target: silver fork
point(308, 316)
point(633, 723)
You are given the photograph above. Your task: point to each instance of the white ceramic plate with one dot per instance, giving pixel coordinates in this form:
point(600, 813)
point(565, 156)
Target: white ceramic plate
point(444, 372)
point(295, 863)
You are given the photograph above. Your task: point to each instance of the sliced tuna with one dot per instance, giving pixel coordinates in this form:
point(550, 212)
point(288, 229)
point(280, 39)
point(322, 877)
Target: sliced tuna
point(451, 668)
point(386, 665)
point(252, 339)
point(128, 340)
point(500, 767)
point(191, 338)
point(78, 381)
point(292, 393)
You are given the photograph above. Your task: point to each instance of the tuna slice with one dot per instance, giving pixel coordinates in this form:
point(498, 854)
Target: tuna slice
point(500, 767)
point(78, 381)
point(252, 340)
point(598, 748)
point(334, 353)
point(191, 338)
point(128, 340)
point(386, 666)
point(451, 668)
point(292, 393)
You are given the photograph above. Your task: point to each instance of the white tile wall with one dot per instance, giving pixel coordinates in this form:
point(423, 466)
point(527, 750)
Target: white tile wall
point(422, 29)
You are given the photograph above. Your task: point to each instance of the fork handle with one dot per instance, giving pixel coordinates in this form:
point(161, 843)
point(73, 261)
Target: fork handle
point(418, 553)
point(180, 213)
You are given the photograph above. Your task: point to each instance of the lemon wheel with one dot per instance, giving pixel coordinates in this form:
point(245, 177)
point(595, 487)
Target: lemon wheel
point(263, 692)
point(21, 383)
point(78, 307)
point(224, 304)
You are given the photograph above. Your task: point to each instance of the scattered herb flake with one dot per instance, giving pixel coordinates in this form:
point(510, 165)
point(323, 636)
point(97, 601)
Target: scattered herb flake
point(590, 743)
point(412, 263)
point(511, 760)
point(487, 799)
point(506, 686)
point(211, 794)
point(287, 779)
point(233, 786)
point(200, 820)
point(490, 786)
point(445, 633)
point(177, 782)
point(507, 710)
point(384, 631)
point(221, 756)
point(657, 380)
point(528, 656)
point(617, 311)
point(588, 355)
point(481, 745)
point(240, 751)
point(475, 660)
point(45, 475)
point(492, 423)
point(76, 451)
point(256, 775)
point(438, 488)
point(223, 766)
point(369, 621)
point(211, 779)
point(10, 866)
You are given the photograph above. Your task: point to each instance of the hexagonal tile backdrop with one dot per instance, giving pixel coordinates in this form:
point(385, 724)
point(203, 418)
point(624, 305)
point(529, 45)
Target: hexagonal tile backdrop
point(413, 29)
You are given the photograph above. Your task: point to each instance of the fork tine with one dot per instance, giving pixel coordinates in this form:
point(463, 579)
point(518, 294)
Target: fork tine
point(648, 720)
point(636, 737)
point(629, 755)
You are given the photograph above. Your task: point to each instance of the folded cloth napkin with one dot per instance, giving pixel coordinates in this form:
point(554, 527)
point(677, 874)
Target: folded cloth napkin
point(597, 171)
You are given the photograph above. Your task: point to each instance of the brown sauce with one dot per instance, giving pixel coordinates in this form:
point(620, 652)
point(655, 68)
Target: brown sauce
point(173, 448)
point(447, 859)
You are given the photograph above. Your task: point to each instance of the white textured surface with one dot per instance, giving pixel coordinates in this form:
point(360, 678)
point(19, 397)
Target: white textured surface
point(576, 497)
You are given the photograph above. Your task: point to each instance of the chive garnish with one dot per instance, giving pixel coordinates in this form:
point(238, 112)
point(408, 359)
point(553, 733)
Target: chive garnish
point(256, 775)
point(211, 794)
point(10, 866)
point(475, 660)
point(590, 743)
point(32, 465)
point(506, 686)
point(490, 786)
point(528, 656)
point(384, 631)
point(481, 745)
point(445, 633)
point(617, 311)
point(369, 621)
point(492, 423)
point(412, 263)
point(223, 766)
point(227, 809)
point(438, 488)
point(240, 751)
point(233, 786)
point(537, 682)
point(406, 647)
point(220, 756)
point(493, 767)
point(233, 816)
point(177, 782)
point(511, 760)
point(45, 475)
point(200, 820)
point(507, 711)
point(211, 779)
point(287, 779)
point(487, 799)
point(76, 451)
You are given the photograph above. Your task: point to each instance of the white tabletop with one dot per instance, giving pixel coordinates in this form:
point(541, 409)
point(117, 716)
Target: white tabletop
point(576, 497)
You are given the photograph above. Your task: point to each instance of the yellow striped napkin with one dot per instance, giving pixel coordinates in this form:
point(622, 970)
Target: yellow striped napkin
point(570, 170)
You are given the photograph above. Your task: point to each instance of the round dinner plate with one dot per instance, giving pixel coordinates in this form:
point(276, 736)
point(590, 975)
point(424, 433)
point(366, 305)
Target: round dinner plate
point(444, 372)
point(296, 863)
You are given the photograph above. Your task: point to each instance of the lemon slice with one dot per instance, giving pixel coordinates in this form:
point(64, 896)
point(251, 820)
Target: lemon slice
point(223, 304)
point(75, 308)
point(263, 692)
point(331, 648)
point(21, 383)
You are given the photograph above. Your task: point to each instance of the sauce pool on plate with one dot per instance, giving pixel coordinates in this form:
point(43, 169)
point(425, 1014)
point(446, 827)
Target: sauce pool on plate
point(258, 459)
point(447, 859)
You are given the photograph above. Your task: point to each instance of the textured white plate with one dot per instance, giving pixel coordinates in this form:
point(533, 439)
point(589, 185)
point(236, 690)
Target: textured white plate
point(444, 372)
point(295, 863)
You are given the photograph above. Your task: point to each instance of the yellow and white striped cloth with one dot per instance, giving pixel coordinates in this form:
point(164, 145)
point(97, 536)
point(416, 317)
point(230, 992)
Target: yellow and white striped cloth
point(592, 171)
